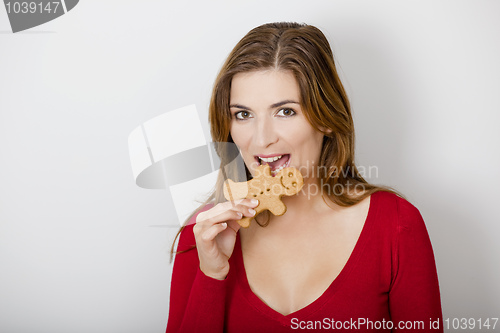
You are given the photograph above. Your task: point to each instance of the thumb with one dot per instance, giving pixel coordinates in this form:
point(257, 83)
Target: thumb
point(234, 225)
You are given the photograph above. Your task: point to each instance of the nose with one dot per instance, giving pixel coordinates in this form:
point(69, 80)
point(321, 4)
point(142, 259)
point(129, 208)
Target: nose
point(265, 134)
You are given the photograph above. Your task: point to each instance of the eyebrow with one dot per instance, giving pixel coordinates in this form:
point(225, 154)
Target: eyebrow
point(275, 105)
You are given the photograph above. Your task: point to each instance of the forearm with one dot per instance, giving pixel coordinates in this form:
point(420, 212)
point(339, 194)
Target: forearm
point(204, 311)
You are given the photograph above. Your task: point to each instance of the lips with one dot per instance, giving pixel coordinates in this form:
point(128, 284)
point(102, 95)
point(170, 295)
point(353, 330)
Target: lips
point(276, 161)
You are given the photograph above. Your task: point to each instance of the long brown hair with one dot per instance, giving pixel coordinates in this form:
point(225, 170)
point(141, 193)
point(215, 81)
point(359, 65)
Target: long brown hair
point(304, 51)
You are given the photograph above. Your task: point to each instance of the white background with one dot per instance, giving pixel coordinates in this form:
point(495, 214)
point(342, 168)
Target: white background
point(83, 249)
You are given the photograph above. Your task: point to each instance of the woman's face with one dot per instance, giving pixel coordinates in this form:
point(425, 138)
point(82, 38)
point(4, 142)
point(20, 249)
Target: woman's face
point(268, 124)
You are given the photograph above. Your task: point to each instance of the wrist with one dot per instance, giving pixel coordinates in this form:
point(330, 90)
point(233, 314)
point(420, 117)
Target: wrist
point(221, 275)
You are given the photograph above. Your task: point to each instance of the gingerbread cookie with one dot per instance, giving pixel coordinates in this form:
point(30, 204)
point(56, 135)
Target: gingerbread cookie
point(265, 188)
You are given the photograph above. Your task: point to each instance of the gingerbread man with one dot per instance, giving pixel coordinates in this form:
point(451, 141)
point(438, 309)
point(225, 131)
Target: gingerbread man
point(265, 188)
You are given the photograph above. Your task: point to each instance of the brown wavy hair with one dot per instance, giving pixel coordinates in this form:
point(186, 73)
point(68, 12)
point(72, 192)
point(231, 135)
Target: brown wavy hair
point(304, 51)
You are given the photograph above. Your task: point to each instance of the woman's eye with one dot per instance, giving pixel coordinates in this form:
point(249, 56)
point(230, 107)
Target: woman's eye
point(242, 115)
point(286, 112)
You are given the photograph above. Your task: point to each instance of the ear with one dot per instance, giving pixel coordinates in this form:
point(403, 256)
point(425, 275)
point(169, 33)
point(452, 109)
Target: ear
point(326, 130)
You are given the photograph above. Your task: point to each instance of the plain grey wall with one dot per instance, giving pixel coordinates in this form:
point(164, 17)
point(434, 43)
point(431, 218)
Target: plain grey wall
point(82, 248)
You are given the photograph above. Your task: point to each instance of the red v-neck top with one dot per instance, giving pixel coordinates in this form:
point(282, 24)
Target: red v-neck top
point(389, 280)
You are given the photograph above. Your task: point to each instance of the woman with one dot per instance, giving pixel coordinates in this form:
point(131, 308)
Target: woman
point(346, 255)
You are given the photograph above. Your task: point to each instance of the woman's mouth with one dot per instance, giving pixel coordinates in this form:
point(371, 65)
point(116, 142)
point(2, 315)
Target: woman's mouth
point(276, 162)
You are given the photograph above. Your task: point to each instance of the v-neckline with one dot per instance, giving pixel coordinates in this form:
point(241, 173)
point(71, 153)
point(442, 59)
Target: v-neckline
point(318, 303)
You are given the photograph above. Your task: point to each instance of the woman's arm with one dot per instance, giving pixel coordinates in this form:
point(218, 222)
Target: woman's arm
point(198, 288)
point(196, 300)
point(414, 296)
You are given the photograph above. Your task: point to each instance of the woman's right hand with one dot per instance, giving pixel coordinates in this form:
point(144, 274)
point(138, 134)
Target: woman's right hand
point(215, 233)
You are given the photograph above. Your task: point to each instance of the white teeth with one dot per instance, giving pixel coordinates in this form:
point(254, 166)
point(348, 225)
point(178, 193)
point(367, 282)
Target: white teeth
point(274, 172)
point(278, 170)
point(270, 159)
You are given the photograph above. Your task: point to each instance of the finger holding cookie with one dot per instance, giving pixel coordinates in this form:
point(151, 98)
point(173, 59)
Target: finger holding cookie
point(215, 234)
point(267, 189)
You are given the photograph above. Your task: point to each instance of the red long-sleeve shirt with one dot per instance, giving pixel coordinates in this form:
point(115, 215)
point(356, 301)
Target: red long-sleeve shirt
point(389, 279)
